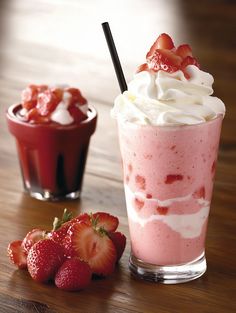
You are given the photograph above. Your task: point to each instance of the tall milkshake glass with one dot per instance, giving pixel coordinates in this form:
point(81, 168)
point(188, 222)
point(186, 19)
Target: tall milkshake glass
point(169, 129)
point(168, 181)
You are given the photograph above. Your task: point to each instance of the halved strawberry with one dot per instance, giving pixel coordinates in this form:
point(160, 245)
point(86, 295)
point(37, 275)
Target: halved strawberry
point(94, 247)
point(32, 237)
point(106, 221)
point(17, 254)
point(119, 241)
point(164, 41)
point(184, 51)
point(189, 61)
point(165, 60)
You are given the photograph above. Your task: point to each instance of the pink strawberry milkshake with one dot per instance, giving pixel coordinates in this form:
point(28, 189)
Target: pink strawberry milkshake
point(168, 173)
point(169, 129)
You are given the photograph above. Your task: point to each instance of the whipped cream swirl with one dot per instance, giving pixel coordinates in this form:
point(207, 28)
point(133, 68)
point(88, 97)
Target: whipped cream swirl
point(162, 98)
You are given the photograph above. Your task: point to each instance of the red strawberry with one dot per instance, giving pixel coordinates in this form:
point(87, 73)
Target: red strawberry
point(92, 246)
point(184, 51)
point(77, 114)
point(29, 95)
point(76, 96)
point(74, 274)
point(106, 221)
point(60, 227)
point(189, 61)
point(164, 41)
point(32, 237)
point(199, 193)
point(17, 254)
point(142, 67)
point(44, 259)
point(59, 234)
point(47, 102)
point(34, 116)
point(165, 60)
point(119, 241)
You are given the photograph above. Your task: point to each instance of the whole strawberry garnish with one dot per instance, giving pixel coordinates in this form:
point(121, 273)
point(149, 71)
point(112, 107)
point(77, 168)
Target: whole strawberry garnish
point(74, 274)
point(17, 254)
point(93, 245)
point(32, 237)
point(119, 241)
point(44, 259)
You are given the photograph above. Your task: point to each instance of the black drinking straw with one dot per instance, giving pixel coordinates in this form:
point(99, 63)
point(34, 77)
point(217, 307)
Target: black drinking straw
point(114, 56)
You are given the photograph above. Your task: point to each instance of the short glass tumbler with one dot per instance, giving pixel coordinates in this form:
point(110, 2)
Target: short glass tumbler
point(52, 156)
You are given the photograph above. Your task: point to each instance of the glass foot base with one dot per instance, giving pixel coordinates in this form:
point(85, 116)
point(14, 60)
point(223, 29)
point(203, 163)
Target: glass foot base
point(46, 195)
point(173, 274)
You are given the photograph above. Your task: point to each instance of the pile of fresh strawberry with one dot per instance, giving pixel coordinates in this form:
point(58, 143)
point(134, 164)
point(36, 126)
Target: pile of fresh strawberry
point(72, 252)
point(164, 56)
point(41, 100)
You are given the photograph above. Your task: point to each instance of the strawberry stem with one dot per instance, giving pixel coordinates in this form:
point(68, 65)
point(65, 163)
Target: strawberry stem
point(66, 217)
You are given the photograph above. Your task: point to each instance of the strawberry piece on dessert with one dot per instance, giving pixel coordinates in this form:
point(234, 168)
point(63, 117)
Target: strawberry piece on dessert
point(29, 95)
point(164, 60)
point(119, 241)
point(17, 254)
point(184, 51)
point(164, 41)
point(48, 101)
point(34, 116)
point(76, 96)
point(93, 246)
point(44, 259)
point(76, 113)
point(163, 56)
point(74, 274)
point(142, 67)
point(32, 237)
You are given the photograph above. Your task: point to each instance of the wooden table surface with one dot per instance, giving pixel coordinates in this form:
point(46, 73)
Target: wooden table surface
point(61, 41)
